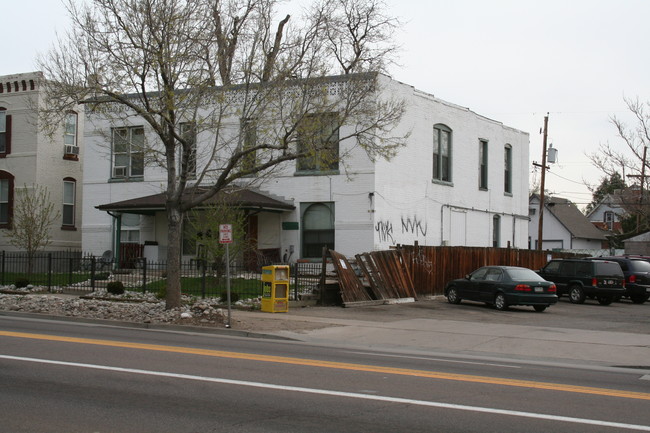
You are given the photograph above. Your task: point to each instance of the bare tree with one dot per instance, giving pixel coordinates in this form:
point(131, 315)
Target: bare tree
point(34, 214)
point(632, 162)
point(222, 66)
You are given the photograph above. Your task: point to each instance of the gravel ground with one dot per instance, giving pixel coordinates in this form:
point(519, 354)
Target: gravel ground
point(146, 309)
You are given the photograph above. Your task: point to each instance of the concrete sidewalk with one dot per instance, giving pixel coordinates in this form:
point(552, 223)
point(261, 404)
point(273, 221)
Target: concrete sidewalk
point(392, 329)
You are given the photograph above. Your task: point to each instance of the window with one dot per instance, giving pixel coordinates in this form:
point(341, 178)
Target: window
point(69, 194)
point(128, 152)
point(249, 141)
point(532, 211)
point(483, 164)
point(70, 129)
point(317, 228)
point(442, 153)
point(188, 132)
point(496, 231)
point(6, 199)
point(130, 229)
point(5, 132)
point(318, 139)
point(507, 169)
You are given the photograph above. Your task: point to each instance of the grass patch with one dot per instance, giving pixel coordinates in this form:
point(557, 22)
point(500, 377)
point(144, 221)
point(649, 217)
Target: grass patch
point(41, 279)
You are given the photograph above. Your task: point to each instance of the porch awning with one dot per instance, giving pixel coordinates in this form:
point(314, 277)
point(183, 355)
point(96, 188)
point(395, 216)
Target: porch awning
point(242, 198)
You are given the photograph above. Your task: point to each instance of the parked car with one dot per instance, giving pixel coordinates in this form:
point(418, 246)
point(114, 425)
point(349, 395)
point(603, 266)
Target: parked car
point(503, 286)
point(637, 276)
point(582, 278)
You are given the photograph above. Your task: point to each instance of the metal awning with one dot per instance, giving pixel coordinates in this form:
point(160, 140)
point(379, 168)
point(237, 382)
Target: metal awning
point(247, 199)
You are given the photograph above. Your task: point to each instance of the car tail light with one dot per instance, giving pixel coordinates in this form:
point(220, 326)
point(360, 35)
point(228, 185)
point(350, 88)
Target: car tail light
point(594, 282)
point(523, 288)
point(553, 289)
point(632, 279)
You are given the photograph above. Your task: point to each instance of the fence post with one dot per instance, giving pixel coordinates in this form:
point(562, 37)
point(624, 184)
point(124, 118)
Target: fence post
point(70, 271)
point(3, 267)
point(144, 274)
point(205, 265)
point(49, 272)
point(92, 273)
point(296, 266)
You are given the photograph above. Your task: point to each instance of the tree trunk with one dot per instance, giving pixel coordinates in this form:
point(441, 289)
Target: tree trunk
point(174, 227)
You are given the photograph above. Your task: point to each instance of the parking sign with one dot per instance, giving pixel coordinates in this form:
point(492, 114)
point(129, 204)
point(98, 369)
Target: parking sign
point(225, 233)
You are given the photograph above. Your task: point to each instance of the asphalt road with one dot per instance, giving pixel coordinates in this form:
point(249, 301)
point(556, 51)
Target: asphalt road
point(64, 377)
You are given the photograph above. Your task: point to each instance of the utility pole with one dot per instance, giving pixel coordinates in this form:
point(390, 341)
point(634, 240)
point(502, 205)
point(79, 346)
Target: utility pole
point(541, 189)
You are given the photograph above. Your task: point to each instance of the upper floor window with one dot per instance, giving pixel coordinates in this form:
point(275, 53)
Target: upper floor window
point(69, 200)
point(483, 164)
point(6, 199)
point(318, 141)
point(128, 152)
point(441, 153)
point(71, 149)
point(188, 132)
point(5, 132)
point(249, 141)
point(507, 169)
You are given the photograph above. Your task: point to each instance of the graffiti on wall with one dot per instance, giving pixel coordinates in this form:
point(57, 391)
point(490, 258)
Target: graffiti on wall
point(385, 231)
point(414, 226)
point(410, 225)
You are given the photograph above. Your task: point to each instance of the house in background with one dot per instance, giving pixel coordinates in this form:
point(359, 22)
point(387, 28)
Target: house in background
point(462, 180)
point(564, 226)
point(608, 214)
point(28, 157)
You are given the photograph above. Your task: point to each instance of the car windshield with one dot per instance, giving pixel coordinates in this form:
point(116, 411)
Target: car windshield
point(524, 275)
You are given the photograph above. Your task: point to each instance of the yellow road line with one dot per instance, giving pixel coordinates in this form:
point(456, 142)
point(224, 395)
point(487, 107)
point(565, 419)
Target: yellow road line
point(339, 365)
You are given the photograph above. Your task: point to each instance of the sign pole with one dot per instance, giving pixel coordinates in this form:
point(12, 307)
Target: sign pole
point(225, 237)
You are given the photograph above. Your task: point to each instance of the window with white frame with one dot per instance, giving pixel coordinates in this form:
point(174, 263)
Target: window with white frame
point(130, 229)
point(188, 132)
point(317, 228)
point(70, 133)
point(442, 153)
point(128, 152)
point(483, 164)
point(507, 169)
point(69, 199)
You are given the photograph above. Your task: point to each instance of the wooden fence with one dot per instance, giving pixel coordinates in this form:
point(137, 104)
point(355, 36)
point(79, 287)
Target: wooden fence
point(432, 267)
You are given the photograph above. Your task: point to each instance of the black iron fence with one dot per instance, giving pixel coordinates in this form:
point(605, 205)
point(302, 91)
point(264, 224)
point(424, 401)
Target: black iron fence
point(74, 272)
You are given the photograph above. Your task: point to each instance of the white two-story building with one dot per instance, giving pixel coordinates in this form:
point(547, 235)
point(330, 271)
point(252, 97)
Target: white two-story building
point(30, 158)
point(462, 179)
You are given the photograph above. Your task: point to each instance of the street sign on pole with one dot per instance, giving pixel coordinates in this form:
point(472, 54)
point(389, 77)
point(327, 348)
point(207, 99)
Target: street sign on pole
point(225, 233)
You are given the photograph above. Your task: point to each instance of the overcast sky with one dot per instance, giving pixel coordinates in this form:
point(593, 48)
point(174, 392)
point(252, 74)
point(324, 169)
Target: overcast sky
point(509, 60)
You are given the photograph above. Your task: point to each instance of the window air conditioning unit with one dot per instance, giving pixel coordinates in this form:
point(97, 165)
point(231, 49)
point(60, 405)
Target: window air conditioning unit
point(71, 150)
point(119, 171)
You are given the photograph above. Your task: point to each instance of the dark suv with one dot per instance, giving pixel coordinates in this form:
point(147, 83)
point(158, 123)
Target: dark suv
point(581, 278)
point(637, 276)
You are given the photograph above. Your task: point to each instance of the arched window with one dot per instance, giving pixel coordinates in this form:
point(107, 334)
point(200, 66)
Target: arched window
point(441, 153)
point(496, 231)
point(317, 228)
point(69, 202)
point(6, 199)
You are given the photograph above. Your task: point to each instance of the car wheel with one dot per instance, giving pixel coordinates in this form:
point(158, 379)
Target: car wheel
point(639, 299)
point(605, 300)
point(540, 308)
point(576, 295)
point(452, 296)
point(500, 302)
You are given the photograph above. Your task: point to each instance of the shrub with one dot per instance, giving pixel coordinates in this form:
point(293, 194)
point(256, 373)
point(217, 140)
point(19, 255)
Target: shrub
point(21, 282)
point(102, 276)
point(234, 297)
point(115, 287)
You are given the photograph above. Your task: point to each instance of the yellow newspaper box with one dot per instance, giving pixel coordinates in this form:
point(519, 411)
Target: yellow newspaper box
point(275, 294)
